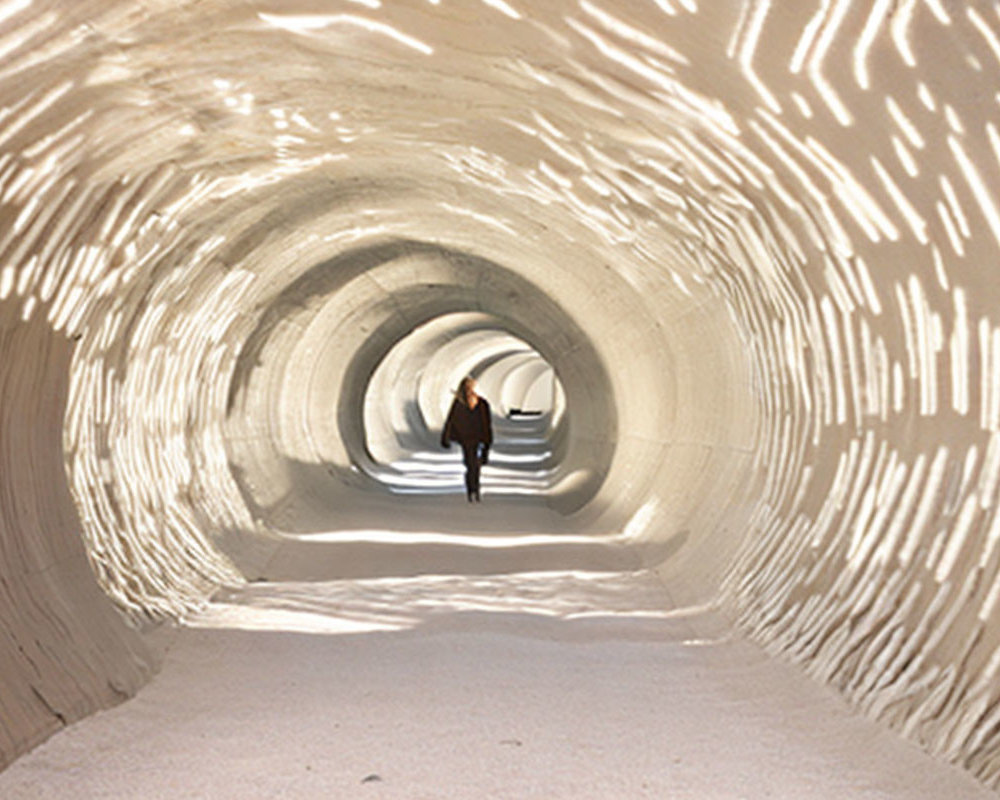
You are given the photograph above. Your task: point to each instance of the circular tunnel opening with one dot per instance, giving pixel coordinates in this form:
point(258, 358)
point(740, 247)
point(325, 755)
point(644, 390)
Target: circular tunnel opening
point(412, 388)
point(350, 371)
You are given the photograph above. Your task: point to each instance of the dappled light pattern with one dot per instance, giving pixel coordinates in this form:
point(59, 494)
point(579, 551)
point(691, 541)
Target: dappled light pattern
point(392, 604)
point(754, 242)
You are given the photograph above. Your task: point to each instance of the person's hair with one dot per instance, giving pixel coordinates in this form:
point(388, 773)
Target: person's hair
point(463, 387)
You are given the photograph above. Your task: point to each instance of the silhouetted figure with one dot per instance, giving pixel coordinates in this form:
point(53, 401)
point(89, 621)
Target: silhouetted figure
point(470, 425)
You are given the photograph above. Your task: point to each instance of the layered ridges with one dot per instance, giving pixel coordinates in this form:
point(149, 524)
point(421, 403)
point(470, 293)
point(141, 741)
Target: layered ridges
point(65, 650)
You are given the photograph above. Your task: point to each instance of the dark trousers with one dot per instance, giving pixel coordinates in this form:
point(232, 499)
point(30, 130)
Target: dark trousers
point(470, 455)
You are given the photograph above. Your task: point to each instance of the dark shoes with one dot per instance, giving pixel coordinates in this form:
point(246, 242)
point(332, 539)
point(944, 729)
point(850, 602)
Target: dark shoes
point(473, 497)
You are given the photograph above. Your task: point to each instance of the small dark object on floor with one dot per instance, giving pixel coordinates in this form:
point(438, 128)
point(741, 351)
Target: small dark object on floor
point(371, 778)
point(512, 742)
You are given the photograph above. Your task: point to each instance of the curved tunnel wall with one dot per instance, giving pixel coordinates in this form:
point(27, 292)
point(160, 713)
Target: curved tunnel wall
point(767, 230)
point(66, 652)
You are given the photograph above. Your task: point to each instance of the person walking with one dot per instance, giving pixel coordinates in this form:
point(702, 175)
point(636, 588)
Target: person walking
point(470, 425)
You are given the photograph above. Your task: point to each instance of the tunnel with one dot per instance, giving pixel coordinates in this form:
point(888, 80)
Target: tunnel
point(726, 273)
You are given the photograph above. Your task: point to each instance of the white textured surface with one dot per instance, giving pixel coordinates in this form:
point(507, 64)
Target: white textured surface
point(535, 686)
point(756, 241)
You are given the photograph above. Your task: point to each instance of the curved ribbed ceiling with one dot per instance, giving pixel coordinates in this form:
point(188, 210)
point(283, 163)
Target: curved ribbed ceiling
point(755, 243)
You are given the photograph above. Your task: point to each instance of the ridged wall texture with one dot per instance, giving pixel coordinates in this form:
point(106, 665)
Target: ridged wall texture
point(65, 651)
point(757, 243)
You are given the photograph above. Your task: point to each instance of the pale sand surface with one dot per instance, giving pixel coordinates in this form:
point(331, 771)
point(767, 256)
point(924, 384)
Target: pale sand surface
point(544, 685)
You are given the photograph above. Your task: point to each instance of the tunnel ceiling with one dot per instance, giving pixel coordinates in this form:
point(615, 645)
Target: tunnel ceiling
point(756, 241)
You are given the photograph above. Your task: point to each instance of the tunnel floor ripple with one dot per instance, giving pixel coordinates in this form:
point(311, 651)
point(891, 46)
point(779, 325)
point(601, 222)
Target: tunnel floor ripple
point(532, 685)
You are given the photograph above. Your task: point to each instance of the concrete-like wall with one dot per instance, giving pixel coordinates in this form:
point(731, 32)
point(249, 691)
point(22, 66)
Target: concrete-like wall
point(64, 650)
point(756, 241)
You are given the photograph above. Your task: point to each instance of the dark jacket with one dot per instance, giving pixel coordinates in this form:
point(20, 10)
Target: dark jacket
point(468, 425)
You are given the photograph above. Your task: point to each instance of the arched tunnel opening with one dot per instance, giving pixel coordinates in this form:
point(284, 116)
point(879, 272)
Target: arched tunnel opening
point(724, 273)
point(410, 393)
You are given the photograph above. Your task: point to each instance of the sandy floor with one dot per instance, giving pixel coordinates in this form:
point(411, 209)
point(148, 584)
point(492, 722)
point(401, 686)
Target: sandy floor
point(554, 685)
